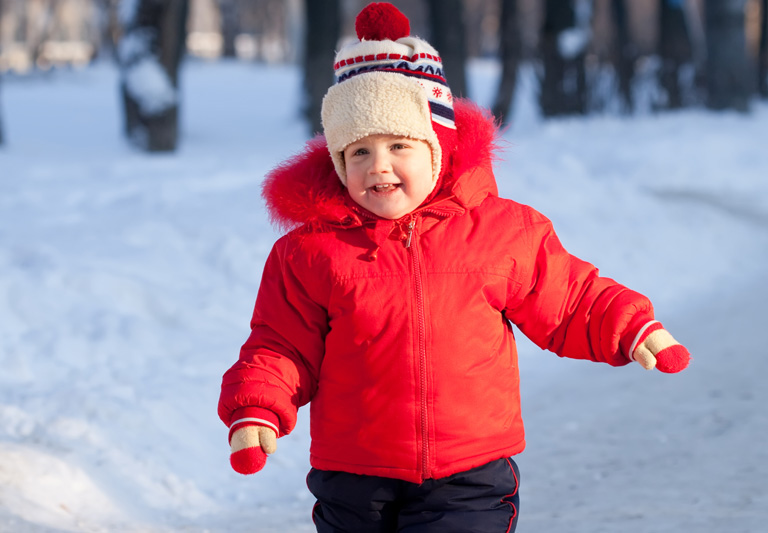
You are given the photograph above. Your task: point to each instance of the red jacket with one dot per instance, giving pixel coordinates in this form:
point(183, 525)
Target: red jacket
point(400, 333)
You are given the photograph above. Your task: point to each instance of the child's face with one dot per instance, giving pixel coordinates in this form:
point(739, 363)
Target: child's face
point(389, 175)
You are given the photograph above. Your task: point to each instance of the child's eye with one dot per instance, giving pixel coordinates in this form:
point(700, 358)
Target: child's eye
point(399, 146)
point(360, 151)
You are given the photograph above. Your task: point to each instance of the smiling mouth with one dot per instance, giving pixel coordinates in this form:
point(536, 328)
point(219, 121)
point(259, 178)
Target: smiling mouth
point(387, 187)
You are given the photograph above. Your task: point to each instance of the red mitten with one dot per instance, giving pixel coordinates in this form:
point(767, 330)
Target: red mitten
point(656, 347)
point(250, 445)
point(673, 359)
point(248, 460)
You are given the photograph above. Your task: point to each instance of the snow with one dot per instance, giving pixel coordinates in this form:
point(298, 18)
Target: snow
point(135, 44)
point(126, 11)
point(149, 85)
point(145, 79)
point(573, 41)
point(127, 281)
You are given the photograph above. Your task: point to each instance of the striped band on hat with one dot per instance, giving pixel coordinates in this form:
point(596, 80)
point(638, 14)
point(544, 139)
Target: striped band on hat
point(425, 66)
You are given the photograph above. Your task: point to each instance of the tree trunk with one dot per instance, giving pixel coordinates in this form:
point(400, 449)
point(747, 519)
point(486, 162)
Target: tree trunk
point(564, 41)
point(150, 52)
point(39, 21)
point(762, 69)
point(323, 26)
point(448, 37)
point(674, 49)
point(511, 49)
point(2, 139)
point(109, 28)
point(230, 19)
point(728, 79)
point(623, 54)
point(1, 83)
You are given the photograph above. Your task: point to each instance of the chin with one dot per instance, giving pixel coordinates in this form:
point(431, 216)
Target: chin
point(391, 214)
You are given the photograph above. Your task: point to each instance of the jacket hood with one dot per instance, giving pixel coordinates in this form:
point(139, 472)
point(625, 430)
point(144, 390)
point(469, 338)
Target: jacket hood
point(305, 188)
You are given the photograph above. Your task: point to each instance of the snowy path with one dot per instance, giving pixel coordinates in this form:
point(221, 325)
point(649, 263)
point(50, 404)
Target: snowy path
point(127, 282)
point(689, 456)
point(659, 453)
point(643, 452)
point(647, 452)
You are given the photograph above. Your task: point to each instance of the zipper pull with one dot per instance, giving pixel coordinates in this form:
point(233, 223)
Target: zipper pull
point(411, 224)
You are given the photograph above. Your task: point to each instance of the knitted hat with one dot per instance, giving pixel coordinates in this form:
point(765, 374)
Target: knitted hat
point(388, 83)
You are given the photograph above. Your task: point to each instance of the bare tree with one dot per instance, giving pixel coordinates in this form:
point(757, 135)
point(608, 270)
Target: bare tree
point(674, 49)
point(565, 36)
point(511, 51)
point(728, 78)
point(109, 27)
point(623, 54)
point(1, 81)
point(322, 34)
point(230, 24)
point(448, 37)
point(150, 52)
point(2, 139)
point(268, 22)
point(762, 69)
point(37, 20)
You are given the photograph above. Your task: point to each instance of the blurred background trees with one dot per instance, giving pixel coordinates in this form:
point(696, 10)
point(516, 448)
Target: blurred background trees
point(729, 85)
point(448, 36)
point(323, 29)
point(1, 88)
point(586, 56)
point(563, 44)
point(1, 110)
point(149, 54)
point(675, 51)
point(762, 69)
point(510, 55)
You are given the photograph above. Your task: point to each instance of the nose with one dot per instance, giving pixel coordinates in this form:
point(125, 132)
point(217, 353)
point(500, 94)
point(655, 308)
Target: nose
point(380, 162)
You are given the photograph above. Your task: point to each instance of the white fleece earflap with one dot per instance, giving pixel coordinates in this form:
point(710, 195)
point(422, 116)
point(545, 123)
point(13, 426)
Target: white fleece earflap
point(377, 103)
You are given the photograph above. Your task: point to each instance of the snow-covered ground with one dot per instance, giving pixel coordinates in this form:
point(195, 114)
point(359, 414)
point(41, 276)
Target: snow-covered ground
point(127, 281)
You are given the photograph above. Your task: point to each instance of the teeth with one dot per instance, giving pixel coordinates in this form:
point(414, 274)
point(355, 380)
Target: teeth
point(382, 188)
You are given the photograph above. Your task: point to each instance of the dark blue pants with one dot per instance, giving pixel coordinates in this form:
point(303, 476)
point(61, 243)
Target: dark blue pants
point(483, 500)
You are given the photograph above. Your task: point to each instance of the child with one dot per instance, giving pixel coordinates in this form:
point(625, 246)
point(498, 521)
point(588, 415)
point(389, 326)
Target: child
point(389, 305)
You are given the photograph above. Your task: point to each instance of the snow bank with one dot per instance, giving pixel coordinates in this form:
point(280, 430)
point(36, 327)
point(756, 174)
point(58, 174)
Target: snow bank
point(127, 282)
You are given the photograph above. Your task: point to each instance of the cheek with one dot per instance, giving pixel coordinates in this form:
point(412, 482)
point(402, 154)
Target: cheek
point(354, 182)
point(425, 172)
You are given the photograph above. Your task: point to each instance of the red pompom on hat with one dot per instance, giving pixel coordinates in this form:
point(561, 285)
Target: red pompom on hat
point(381, 20)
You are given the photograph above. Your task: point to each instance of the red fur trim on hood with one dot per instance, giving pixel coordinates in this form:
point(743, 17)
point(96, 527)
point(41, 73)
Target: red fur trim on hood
point(478, 136)
point(305, 189)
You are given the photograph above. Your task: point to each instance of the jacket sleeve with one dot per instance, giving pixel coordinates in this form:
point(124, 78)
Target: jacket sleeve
point(278, 366)
point(563, 305)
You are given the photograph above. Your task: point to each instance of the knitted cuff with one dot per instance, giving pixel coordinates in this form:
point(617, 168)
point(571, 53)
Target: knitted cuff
point(638, 327)
point(646, 330)
point(671, 359)
point(253, 416)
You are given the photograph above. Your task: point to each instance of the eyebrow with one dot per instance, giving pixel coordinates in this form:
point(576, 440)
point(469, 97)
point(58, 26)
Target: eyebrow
point(360, 144)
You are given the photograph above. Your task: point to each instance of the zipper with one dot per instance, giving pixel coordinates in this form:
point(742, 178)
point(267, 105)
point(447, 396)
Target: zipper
point(422, 345)
point(411, 225)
